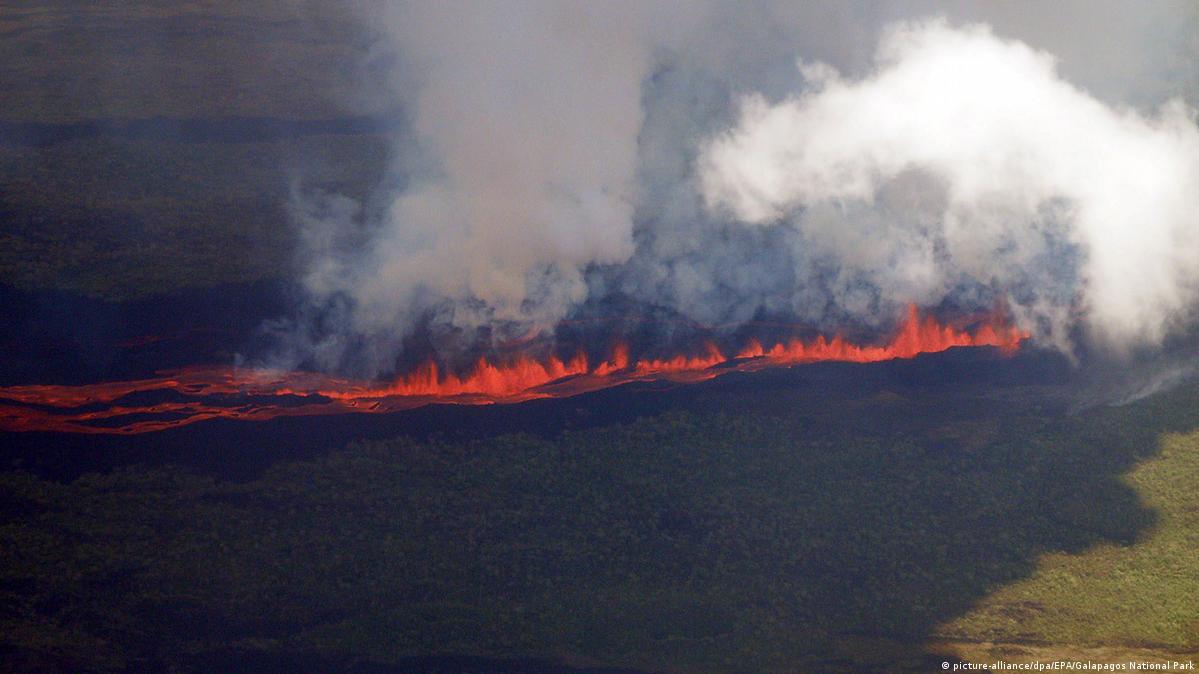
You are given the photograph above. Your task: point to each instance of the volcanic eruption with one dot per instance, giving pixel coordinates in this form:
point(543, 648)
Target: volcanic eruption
point(959, 170)
point(199, 393)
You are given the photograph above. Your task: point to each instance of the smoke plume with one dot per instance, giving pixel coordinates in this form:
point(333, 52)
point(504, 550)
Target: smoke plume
point(560, 155)
point(965, 160)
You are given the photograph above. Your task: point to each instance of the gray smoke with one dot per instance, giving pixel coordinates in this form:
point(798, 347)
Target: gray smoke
point(560, 153)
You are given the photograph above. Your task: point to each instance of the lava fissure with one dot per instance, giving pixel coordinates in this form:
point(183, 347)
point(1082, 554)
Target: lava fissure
point(223, 392)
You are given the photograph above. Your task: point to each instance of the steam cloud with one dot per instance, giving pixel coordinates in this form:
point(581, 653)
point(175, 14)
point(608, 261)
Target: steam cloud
point(965, 159)
point(563, 153)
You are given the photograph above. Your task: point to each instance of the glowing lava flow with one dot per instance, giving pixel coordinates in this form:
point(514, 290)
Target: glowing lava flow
point(199, 393)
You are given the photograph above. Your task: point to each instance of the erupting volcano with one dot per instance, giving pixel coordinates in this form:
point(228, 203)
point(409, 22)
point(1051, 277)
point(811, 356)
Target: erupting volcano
point(206, 392)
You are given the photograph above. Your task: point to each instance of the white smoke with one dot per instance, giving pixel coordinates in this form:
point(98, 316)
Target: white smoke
point(527, 117)
point(563, 152)
point(966, 158)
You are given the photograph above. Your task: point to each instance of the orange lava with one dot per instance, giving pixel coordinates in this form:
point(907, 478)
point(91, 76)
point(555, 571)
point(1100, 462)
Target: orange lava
point(915, 337)
point(210, 392)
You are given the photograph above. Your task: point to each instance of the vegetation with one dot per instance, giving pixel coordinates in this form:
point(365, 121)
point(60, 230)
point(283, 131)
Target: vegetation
point(1136, 593)
point(752, 530)
point(759, 528)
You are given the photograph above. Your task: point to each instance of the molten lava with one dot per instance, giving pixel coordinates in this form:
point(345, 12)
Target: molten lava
point(209, 392)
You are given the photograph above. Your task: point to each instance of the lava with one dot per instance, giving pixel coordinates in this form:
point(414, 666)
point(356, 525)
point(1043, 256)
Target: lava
point(210, 392)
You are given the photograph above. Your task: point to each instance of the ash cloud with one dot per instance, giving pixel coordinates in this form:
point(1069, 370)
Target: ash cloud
point(560, 154)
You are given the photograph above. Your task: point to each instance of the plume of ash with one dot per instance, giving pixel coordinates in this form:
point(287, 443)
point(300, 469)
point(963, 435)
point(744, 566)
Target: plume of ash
point(564, 153)
point(965, 159)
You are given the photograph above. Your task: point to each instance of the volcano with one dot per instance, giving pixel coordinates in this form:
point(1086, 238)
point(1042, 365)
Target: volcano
point(193, 394)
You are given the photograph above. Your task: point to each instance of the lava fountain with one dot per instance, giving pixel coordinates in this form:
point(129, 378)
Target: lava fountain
point(198, 393)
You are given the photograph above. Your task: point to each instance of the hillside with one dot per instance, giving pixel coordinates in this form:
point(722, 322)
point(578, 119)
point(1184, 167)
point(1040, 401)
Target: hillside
point(767, 527)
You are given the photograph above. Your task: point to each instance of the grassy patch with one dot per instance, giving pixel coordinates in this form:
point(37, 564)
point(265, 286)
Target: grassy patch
point(1131, 593)
point(755, 530)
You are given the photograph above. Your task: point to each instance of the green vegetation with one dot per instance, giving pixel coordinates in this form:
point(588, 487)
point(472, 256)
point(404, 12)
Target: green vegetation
point(750, 530)
point(782, 533)
point(1134, 595)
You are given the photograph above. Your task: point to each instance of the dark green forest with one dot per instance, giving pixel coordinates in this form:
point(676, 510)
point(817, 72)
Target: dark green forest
point(773, 524)
point(766, 529)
